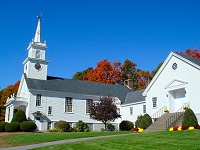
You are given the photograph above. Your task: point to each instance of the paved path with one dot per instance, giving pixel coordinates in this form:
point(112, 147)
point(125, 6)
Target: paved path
point(59, 142)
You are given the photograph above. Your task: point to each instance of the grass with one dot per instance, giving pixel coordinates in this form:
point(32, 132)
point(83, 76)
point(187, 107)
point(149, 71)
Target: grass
point(178, 140)
point(33, 138)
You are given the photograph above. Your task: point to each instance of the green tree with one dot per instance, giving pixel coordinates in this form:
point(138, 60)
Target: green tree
point(19, 116)
point(153, 73)
point(104, 110)
point(146, 121)
point(189, 118)
point(79, 75)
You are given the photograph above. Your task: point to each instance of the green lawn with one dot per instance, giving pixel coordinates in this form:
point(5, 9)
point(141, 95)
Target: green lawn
point(177, 140)
point(32, 138)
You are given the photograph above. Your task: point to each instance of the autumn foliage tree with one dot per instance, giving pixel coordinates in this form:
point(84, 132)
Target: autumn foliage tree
point(193, 53)
point(5, 93)
point(105, 72)
point(105, 110)
point(79, 75)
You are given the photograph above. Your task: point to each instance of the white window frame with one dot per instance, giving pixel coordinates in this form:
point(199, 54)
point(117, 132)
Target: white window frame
point(87, 105)
point(49, 125)
point(38, 100)
point(131, 110)
point(68, 105)
point(144, 109)
point(154, 102)
point(50, 109)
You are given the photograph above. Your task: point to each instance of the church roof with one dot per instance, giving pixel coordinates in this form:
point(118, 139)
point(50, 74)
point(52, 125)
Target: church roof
point(134, 97)
point(192, 59)
point(56, 84)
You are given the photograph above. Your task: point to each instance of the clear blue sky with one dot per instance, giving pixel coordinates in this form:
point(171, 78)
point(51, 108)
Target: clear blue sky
point(79, 33)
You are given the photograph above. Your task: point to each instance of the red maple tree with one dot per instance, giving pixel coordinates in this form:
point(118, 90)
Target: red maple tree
point(193, 53)
point(105, 72)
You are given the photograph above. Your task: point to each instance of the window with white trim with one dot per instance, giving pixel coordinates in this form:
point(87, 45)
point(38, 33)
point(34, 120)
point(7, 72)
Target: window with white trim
point(88, 102)
point(49, 110)
point(68, 104)
point(38, 100)
point(48, 125)
point(154, 101)
point(131, 110)
point(144, 109)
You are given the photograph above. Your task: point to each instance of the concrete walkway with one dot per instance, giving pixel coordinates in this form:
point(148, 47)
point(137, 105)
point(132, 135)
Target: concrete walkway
point(60, 142)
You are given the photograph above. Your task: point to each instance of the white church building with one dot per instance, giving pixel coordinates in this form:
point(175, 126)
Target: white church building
point(47, 99)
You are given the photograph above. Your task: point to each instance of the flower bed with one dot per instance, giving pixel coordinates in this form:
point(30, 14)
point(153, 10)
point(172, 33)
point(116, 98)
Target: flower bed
point(137, 129)
point(183, 127)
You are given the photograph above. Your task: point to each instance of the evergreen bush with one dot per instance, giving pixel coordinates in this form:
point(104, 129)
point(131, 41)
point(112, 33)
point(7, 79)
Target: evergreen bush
point(189, 118)
point(138, 121)
point(125, 125)
point(27, 126)
point(110, 127)
point(145, 122)
point(13, 127)
point(62, 125)
point(82, 127)
point(19, 116)
point(2, 126)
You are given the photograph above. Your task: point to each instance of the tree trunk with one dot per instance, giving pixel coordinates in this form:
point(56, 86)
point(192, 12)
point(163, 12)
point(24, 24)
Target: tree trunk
point(105, 125)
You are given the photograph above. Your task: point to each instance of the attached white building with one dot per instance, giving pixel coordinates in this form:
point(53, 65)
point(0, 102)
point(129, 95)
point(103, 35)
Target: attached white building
point(177, 83)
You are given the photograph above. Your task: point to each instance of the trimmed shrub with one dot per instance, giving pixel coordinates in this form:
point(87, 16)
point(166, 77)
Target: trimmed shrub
point(189, 118)
point(110, 127)
point(2, 126)
point(54, 130)
point(74, 129)
point(145, 121)
point(82, 126)
point(27, 126)
point(13, 127)
point(19, 116)
point(138, 121)
point(125, 125)
point(62, 125)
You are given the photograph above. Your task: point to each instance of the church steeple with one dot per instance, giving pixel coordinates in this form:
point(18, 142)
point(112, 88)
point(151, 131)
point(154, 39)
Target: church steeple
point(37, 37)
point(35, 65)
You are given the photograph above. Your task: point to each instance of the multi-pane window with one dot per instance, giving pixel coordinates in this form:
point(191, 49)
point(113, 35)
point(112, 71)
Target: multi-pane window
point(68, 104)
point(154, 101)
point(144, 109)
point(48, 125)
point(131, 110)
point(50, 110)
point(88, 102)
point(38, 100)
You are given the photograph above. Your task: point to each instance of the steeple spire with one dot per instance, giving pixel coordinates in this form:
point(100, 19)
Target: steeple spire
point(37, 37)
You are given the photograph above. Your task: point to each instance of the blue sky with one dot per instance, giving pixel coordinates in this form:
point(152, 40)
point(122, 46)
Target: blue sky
point(80, 33)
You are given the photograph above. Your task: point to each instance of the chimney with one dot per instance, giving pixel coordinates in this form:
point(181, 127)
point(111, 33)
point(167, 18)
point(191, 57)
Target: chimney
point(128, 83)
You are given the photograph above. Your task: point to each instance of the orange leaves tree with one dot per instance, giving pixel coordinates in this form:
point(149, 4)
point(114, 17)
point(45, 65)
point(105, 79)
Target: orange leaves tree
point(105, 72)
point(143, 79)
point(193, 53)
point(4, 94)
point(105, 110)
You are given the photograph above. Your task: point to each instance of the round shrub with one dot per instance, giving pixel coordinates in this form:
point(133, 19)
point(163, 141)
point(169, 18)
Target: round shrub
point(62, 125)
point(13, 127)
point(19, 116)
point(189, 118)
point(2, 126)
point(110, 127)
point(145, 121)
point(82, 126)
point(27, 126)
point(125, 125)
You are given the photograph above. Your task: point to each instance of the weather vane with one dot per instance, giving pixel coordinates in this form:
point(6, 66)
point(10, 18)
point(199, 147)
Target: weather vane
point(40, 16)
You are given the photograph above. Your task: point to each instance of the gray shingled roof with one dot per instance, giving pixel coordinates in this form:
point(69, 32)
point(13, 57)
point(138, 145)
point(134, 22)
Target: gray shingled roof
point(192, 59)
point(135, 96)
point(78, 87)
